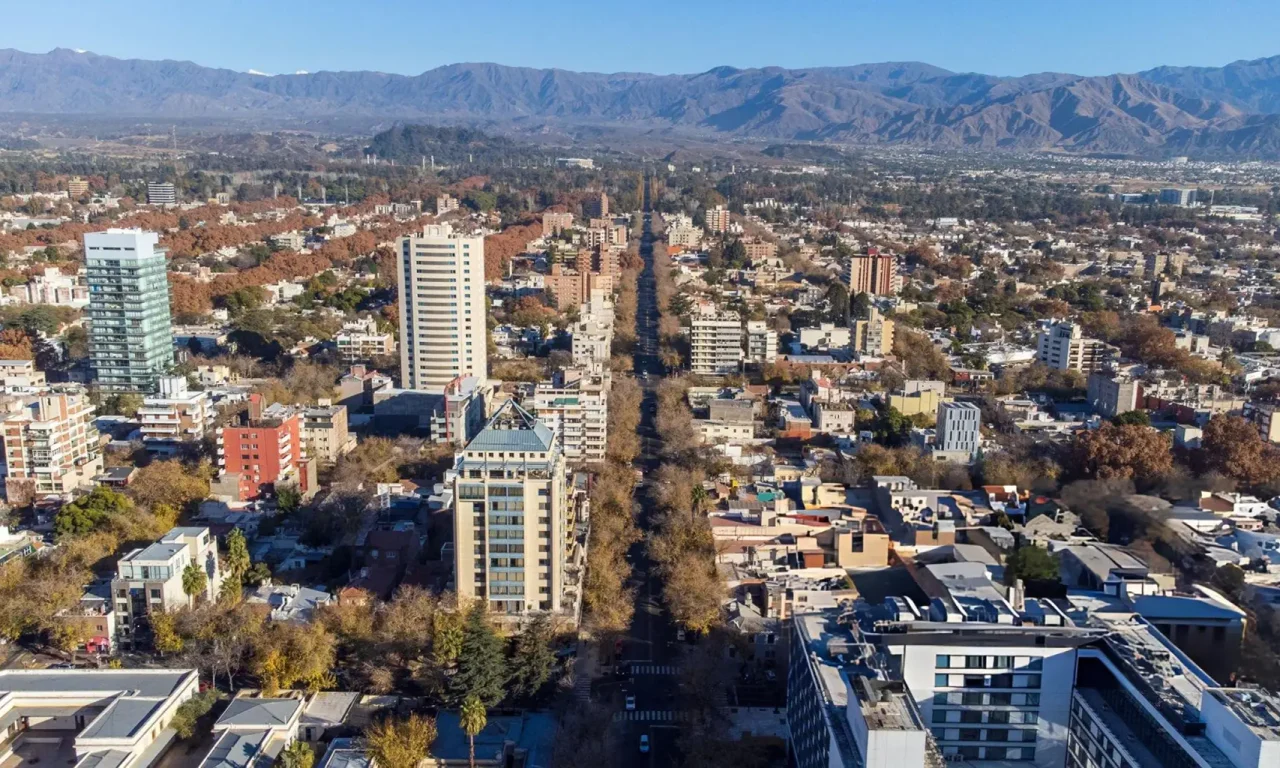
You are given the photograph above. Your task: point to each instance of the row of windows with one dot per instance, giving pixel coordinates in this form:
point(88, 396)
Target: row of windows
point(998, 717)
point(985, 734)
point(986, 681)
point(1033, 663)
point(994, 699)
point(1023, 754)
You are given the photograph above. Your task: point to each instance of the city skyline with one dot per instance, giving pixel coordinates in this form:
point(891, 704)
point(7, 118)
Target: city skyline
point(1093, 39)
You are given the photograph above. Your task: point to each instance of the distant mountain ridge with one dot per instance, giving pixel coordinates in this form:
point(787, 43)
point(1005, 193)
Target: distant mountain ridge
point(1229, 111)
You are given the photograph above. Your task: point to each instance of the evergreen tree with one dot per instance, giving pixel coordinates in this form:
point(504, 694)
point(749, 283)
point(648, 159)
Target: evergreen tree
point(481, 664)
point(533, 658)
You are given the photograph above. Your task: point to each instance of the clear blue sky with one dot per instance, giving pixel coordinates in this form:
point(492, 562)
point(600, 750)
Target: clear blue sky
point(1001, 37)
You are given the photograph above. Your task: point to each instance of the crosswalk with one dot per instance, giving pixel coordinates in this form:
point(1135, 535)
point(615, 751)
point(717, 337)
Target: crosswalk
point(653, 669)
point(653, 716)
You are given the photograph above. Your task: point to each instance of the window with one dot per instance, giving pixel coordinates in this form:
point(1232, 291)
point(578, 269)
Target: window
point(943, 661)
point(940, 681)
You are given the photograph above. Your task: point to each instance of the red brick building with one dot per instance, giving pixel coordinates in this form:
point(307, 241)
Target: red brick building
point(265, 451)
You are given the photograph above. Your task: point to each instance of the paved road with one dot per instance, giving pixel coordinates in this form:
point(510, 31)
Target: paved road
point(649, 650)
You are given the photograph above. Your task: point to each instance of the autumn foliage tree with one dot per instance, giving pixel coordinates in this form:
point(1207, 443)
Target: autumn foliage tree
point(1122, 451)
point(1232, 446)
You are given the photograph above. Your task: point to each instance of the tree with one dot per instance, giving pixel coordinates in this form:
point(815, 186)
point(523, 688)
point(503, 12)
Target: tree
point(238, 561)
point(194, 580)
point(170, 482)
point(190, 711)
point(473, 719)
point(91, 513)
point(1232, 446)
point(400, 743)
point(481, 664)
point(533, 658)
point(288, 654)
point(257, 575)
point(125, 404)
point(297, 755)
point(1030, 563)
point(1140, 418)
point(164, 635)
point(1122, 450)
point(838, 299)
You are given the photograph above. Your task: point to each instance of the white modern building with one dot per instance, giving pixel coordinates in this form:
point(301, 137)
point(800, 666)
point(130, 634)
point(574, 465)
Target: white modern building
point(825, 336)
point(576, 406)
point(175, 415)
point(442, 308)
point(1063, 347)
point(715, 344)
point(361, 340)
point(959, 428)
point(150, 579)
point(762, 342)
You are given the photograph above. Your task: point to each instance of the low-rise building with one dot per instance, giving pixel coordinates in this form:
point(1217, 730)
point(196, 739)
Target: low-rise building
point(361, 340)
point(149, 579)
point(16, 375)
point(115, 717)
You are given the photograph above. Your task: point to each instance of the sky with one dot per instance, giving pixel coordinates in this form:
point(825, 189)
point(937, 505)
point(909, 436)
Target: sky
point(999, 37)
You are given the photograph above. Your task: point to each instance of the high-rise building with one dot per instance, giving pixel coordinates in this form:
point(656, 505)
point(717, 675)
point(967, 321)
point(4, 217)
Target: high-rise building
point(959, 428)
point(130, 329)
point(50, 445)
point(1063, 347)
point(162, 193)
point(715, 344)
point(442, 308)
point(596, 206)
point(873, 273)
point(718, 219)
point(513, 531)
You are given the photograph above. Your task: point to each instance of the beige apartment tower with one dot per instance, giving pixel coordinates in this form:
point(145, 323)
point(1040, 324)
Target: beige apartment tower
point(442, 309)
point(512, 534)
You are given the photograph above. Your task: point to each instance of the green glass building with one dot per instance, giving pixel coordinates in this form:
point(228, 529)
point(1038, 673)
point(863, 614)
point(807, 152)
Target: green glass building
point(130, 329)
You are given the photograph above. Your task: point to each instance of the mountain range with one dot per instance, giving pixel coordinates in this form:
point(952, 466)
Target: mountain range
point(1230, 111)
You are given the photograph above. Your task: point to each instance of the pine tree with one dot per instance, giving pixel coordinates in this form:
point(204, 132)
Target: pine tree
point(533, 658)
point(481, 664)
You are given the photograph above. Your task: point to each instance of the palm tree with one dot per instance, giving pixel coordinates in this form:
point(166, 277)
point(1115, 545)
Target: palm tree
point(298, 755)
point(473, 719)
point(194, 580)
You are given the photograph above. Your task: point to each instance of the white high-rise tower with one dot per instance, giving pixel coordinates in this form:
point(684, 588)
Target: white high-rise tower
point(442, 308)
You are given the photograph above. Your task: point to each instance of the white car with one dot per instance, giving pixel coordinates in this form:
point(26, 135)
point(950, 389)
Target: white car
point(631, 702)
point(644, 743)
